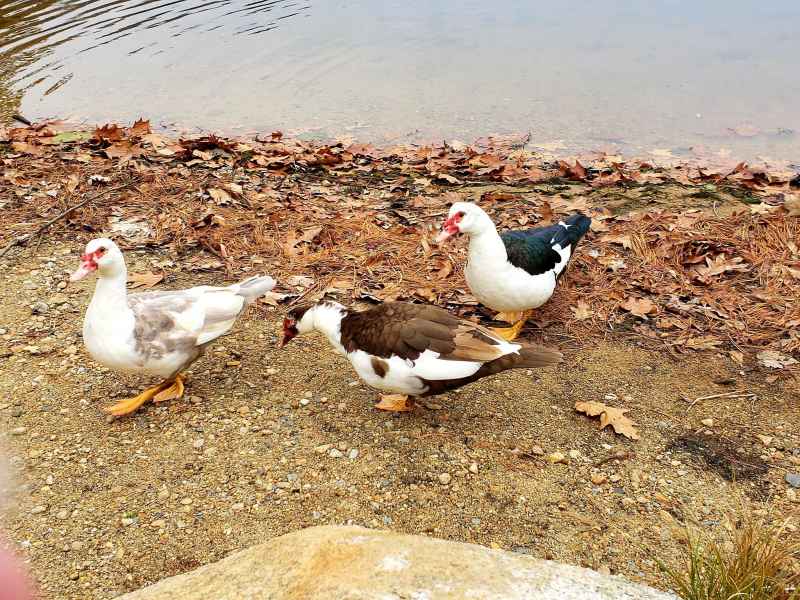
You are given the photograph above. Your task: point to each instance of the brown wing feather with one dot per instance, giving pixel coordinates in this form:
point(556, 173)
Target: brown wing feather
point(407, 330)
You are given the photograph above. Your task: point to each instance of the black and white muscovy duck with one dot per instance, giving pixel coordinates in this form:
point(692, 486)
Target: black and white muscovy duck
point(411, 349)
point(154, 333)
point(516, 271)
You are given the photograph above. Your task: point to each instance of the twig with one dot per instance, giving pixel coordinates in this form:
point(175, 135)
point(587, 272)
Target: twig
point(734, 394)
point(22, 240)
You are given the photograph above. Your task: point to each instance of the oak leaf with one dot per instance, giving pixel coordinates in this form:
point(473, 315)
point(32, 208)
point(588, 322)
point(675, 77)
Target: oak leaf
point(721, 264)
point(641, 307)
point(144, 280)
point(775, 360)
point(610, 416)
point(140, 128)
point(581, 311)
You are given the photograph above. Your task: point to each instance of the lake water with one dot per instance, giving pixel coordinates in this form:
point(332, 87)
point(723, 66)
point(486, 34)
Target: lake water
point(578, 74)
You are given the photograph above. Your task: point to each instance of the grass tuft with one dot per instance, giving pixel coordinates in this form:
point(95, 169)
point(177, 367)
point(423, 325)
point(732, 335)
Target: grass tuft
point(755, 561)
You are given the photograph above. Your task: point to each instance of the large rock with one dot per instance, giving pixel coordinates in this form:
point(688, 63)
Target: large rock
point(351, 563)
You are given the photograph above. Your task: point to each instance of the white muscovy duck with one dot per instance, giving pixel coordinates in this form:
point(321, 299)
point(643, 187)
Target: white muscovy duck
point(413, 349)
point(154, 333)
point(516, 271)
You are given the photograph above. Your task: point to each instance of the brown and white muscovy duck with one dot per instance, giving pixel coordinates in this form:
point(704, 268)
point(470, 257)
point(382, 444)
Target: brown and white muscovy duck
point(154, 333)
point(516, 271)
point(411, 349)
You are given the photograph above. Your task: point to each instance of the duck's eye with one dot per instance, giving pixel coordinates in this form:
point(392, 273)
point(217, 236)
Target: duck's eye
point(101, 250)
point(461, 214)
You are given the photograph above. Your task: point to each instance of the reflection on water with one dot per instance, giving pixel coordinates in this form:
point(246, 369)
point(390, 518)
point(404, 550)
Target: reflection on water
point(665, 74)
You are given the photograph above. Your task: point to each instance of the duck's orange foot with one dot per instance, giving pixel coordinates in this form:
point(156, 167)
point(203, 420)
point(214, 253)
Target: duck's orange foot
point(131, 404)
point(172, 391)
point(511, 333)
point(395, 403)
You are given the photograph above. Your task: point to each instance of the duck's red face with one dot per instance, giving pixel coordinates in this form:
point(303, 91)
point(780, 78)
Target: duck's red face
point(450, 227)
point(289, 331)
point(88, 264)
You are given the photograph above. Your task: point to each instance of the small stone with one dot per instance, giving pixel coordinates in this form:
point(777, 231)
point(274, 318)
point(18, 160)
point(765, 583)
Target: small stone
point(445, 478)
point(793, 479)
point(163, 493)
point(36, 510)
point(50, 480)
point(764, 439)
point(322, 449)
point(473, 468)
point(610, 397)
point(238, 506)
point(353, 454)
point(791, 495)
point(19, 431)
point(573, 454)
point(39, 308)
point(537, 450)
point(615, 478)
point(308, 395)
point(557, 457)
point(63, 514)
point(186, 501)
point(158, 524)
point(707, 422)
point(272, 371)
point(335, 453)
point(126, 521)
point(304, 402)
point(598, 478)
point(198, 443)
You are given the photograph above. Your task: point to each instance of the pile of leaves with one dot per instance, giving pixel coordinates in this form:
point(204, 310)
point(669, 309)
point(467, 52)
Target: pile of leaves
point(687, 257)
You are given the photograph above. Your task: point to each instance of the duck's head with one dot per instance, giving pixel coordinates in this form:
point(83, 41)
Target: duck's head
point(464, 217)
point(101, 255)
point(324, 316)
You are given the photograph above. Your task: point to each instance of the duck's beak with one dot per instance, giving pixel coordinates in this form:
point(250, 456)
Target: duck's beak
point(449, 229)
point(87, 266)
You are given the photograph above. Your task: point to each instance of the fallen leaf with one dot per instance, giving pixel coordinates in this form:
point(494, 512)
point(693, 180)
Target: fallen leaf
point(220, 196)
point(641, 307)
point(576, 171)
point(108, 133)
point(300, 280)
point(775, 360)
point(123, 150)
point(581, 311)
point(610, 416)
point(140, 128)
point(721, 264)
point(792, 206)
point(144, 280)
point(293, 241)
point(622, 240)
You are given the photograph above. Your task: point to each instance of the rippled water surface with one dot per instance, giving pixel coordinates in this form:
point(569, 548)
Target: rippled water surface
point(664, 74)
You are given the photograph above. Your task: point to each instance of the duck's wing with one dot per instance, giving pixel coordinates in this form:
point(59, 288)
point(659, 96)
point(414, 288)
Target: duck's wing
point(192, 317)
point(544, 249)
point(438, 345)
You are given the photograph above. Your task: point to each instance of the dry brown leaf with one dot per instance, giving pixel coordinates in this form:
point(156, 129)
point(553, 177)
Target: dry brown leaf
point(721, 264)
point(144, 280)
point(140, 128)
point(610, 416)
point(792, 206)
point(108, 133)
point(775, 360)
point(641, 307)
point(622, 240)
point(293, 241)
point(220, 196)
point(581, 311)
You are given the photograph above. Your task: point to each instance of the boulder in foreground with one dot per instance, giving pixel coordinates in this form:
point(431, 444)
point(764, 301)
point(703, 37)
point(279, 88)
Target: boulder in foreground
point(352, 563)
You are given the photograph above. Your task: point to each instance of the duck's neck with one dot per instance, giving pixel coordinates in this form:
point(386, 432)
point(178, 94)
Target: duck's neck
point(328, 321)
point(110, 293)
point(486, 246)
